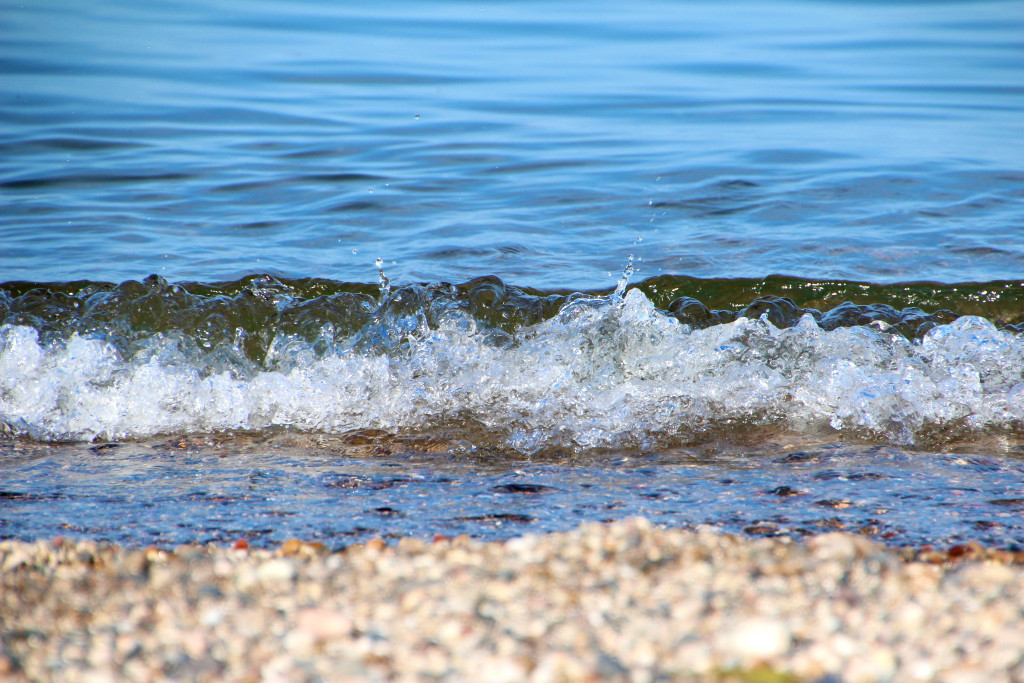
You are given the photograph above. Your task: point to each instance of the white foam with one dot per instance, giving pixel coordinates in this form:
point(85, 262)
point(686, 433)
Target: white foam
point(600, 374)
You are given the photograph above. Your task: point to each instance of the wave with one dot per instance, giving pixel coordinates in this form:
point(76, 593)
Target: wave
point(668, 361)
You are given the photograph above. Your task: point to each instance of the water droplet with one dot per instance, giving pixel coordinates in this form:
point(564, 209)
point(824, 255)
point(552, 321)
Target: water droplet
point(385, 283)
point(620, 288)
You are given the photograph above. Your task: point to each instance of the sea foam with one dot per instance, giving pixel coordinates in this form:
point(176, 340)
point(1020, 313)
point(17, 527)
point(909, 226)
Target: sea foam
point(605, 372)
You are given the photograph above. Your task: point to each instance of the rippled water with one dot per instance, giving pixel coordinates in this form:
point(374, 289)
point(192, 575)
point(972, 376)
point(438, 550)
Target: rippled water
point(531, 141)
point(821, 205)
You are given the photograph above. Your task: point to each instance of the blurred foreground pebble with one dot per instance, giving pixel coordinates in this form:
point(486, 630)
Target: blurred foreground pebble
point(624, 601)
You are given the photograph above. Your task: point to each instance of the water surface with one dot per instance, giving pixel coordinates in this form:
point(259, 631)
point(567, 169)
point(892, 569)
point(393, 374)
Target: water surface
point(348, 490)
point(531, 141)
point(819, 326)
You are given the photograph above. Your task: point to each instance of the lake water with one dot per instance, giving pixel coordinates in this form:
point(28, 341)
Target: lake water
point(327, 270)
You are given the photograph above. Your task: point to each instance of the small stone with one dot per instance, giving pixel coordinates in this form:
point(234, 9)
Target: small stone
point(833, 546)
point(18, 557)
point(8, 666)
point(496, 669)
point(136, 563)
point(291, 547)
point(276, 571)
point(300, 643)
point(212, 617)
point(758, 639)
point(324, 624)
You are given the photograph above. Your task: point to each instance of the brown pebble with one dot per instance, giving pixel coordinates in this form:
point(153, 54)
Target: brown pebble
point(294, 546)
point(7, 666)
point(154, 554)
point(957, 551)
point(291, 546)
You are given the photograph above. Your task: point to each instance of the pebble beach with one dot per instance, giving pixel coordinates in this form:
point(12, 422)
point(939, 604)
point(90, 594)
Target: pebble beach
point(623, 601)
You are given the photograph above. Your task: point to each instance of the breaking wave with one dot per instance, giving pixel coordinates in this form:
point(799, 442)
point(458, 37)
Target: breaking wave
point(515, 368)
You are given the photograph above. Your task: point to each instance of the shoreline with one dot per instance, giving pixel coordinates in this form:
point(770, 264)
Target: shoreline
point(619, 601)
point(350, 488)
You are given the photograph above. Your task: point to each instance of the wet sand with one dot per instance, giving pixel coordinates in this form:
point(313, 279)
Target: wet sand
point(622, 601)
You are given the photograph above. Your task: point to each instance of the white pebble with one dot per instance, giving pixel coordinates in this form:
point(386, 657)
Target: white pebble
point(274, 571)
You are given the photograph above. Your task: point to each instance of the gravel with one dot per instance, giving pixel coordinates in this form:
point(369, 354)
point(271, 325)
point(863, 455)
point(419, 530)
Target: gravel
point(624, 601)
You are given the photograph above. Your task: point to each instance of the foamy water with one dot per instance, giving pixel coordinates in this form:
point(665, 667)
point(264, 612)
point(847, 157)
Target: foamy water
point(605, 372)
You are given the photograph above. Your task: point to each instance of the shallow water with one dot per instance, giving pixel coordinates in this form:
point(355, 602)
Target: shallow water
point(348, 490)
point(196, 195)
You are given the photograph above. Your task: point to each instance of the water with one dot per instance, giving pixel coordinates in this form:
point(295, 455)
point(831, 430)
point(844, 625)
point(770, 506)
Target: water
point(267, 232)
point(342, 490)
point(209, 140)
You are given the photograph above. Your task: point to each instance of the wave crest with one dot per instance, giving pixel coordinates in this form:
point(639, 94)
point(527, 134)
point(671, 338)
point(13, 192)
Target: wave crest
point(601, 372)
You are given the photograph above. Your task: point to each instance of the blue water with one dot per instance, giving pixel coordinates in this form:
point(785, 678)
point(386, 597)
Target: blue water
point(538, 142)
point(198, 490)
point(536, 145)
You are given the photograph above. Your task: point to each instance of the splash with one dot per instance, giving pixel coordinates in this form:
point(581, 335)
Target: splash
point(598, 373)
point(620, 287)
point(385, 283)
